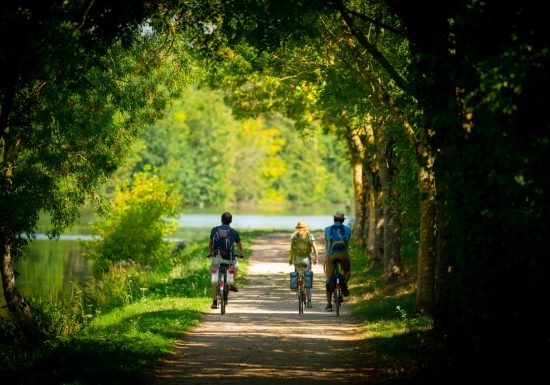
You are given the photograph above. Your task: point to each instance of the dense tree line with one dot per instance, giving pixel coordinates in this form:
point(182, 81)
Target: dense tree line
point(214, 158)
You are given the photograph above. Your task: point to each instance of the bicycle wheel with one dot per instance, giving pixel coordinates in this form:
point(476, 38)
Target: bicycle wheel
point(222, 293)
point(300, 302)
point(337, 301)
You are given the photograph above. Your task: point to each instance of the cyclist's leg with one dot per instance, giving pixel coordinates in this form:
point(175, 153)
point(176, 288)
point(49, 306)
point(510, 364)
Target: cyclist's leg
point(215, 264)
point(346, 268)
point(234, 263)
point(329, 270)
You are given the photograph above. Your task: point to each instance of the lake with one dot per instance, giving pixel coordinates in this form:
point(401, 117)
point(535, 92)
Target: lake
point(54, 268)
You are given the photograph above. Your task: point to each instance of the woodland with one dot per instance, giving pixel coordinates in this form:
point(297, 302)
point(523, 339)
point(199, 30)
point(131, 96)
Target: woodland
point(431, 116)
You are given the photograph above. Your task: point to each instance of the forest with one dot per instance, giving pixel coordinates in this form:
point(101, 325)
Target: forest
point(430, 117)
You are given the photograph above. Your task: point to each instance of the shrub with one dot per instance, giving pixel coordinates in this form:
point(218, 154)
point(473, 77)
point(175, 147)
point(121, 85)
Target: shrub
point(135, 228)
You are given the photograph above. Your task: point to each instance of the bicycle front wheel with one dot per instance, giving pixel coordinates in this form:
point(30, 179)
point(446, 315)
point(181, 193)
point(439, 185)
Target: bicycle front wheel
point(300, 300)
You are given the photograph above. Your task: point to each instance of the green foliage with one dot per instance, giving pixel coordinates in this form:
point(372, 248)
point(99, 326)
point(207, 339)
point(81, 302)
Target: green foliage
point(135, 228)
point(84, 89)
point(214, 158)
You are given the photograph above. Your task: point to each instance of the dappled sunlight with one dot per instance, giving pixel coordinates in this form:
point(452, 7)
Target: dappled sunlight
point(262, 339)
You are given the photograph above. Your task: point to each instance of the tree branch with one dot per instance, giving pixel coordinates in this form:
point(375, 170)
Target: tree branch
point(377, 23)
point(371, 48)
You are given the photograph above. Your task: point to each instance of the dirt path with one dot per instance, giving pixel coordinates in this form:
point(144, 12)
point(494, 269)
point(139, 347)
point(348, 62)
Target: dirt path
point(263, 340)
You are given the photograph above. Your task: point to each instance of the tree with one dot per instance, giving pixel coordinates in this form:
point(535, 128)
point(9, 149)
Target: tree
point(75, 87)
point(323, 76)
point(480, 75)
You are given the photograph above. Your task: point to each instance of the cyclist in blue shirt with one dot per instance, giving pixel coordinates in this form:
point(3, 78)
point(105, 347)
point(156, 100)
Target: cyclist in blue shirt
point(221, 243)
point(337, 237)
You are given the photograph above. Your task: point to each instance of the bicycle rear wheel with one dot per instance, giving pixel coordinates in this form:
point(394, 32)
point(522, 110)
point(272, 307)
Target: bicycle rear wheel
point(222, 293)
point(337, 301)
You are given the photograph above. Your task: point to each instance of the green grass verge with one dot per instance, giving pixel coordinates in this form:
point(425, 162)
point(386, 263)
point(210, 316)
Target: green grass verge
point(118, 347)
point(122, 343)
point(399, 342)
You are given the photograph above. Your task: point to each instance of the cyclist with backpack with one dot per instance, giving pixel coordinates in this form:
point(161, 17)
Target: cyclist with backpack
point(223, 238)
point(337, 239)
point(302, 244)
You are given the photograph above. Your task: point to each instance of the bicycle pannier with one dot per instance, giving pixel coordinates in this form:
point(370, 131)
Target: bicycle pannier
point(308, 279)
point(293, 280)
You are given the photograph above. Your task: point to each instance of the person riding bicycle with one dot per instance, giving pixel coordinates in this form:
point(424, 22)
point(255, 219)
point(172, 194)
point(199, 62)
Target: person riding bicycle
point(337, 237)
point(302, 244)
point(221, 243)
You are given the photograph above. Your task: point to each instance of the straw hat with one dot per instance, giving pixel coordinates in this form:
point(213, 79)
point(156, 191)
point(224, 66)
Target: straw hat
point(301, 225)
point(339, 215)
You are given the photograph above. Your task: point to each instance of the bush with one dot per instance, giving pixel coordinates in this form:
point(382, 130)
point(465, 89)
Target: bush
point(135, 228)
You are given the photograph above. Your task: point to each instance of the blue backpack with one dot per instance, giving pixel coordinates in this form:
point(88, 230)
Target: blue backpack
point(338, 240)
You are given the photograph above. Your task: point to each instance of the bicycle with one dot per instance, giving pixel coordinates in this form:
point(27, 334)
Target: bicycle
point(338, 278)
point(301, 289)
point(223, 284)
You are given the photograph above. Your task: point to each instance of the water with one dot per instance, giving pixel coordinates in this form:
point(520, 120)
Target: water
point(248, 221)
point(54, 268)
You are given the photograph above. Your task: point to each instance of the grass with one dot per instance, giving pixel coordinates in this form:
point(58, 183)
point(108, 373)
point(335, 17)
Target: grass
point(118, 347)
point(122, 343)
point(399, 342)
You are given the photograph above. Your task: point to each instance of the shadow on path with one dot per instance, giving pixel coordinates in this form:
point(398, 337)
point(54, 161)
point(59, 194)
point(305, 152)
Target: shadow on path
point(263, 340)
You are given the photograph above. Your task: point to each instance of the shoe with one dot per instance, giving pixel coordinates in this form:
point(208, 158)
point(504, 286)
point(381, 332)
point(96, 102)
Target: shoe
point(233, 287)
point(309, 305)
point(328, 307)
point(214, 305)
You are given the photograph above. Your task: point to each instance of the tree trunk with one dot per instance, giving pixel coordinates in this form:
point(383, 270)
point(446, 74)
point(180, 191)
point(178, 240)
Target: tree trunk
point(357, 230)
point(357, 151)
point(425, 281)
point(380, 224)
point(14, 300)
point(371, 212)
point(445, 272)
point(392, 228)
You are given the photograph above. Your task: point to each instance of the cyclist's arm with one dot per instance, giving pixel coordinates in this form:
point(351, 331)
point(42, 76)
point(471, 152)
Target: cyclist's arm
point(316, 258)
point(240, 248)
point(291, 253)
point(210, 247)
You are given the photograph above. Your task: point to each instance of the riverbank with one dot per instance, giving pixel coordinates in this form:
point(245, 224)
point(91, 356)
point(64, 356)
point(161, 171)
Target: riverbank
point(121, 346)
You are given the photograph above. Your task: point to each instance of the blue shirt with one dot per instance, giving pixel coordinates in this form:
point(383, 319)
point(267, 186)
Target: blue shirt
point(347, 234)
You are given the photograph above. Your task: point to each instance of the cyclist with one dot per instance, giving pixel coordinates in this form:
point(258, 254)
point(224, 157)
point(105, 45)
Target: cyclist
point(302, 244)
point(222, 241)
point(337, 238)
